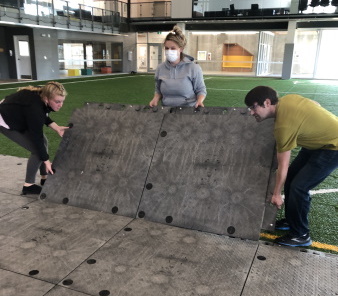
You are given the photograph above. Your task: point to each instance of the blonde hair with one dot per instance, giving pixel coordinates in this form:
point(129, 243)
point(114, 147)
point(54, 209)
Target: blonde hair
point(51, 89)
point(178, 37)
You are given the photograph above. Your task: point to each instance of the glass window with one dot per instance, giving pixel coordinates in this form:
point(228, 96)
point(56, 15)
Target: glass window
point(24, 48)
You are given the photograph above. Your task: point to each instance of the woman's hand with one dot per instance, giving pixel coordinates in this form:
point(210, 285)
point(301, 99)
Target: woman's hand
point(49, 169)
point(154, 102)
point(199, 102)
point(59, 129)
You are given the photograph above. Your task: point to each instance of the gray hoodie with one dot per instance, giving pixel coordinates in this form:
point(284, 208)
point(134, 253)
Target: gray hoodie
point(181, 84)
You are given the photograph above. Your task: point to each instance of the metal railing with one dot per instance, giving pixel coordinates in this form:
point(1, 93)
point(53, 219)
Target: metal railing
point(64, 14)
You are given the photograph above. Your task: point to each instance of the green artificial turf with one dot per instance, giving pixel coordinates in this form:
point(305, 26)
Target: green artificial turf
point(223, 92)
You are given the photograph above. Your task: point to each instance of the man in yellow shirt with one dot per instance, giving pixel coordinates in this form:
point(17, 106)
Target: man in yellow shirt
point(298, 122)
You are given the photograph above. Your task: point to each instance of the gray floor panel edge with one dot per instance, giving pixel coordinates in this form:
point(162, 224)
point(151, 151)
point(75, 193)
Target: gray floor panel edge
point(61, 291)
point(153, 259)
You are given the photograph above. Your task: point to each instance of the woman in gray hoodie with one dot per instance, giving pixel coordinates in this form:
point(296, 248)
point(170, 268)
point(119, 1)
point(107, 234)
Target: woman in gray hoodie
point(178, 80)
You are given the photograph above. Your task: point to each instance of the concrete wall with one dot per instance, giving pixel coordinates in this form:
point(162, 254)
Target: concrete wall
point(129, 45)
point(181, 8)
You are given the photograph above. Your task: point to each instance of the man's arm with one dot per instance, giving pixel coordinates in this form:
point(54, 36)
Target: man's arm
point(283, 159)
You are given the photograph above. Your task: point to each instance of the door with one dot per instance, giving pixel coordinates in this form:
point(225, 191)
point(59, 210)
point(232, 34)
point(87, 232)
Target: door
point(116, 55)
point(155, 56)
point(22, 57)
point(264, 53)
point(142, 63)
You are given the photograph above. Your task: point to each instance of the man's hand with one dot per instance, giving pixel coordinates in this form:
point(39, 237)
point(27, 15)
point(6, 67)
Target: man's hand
point(277, 200)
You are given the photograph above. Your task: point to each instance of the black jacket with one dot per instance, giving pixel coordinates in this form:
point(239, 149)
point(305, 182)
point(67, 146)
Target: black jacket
point(25, 111)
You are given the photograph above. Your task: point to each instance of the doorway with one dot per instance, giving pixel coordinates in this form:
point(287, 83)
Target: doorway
point(154, 56)
point(266, 40)
point(22, 57)
point(327, 62)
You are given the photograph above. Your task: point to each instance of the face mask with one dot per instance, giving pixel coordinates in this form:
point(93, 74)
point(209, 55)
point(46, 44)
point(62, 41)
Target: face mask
point(171, 55)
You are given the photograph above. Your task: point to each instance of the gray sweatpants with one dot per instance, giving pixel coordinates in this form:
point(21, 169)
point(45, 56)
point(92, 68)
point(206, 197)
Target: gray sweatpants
point(34, 163)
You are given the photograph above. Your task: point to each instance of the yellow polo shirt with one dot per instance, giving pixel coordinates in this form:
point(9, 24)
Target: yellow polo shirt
point(301, 122)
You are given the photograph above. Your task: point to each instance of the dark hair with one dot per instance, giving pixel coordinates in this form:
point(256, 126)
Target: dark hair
point(259, 94)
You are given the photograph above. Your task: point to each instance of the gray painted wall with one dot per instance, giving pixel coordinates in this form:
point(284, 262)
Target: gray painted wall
point(46, 54)
point(4, 74)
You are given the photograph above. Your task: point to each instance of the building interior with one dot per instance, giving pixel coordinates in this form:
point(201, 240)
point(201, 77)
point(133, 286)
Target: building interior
point(51, 39)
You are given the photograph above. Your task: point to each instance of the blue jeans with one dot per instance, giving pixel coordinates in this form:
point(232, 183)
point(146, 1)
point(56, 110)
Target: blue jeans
point(308, 169)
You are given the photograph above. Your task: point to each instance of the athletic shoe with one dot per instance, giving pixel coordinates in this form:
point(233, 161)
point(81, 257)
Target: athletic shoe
point(294, 241)
point(42, 181)
point(33, 189)
point(282, 225)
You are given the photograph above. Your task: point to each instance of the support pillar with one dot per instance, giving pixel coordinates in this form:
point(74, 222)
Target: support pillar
point(289, 50)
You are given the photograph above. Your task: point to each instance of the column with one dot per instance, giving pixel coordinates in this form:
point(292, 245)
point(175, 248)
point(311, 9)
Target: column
point(289, 50)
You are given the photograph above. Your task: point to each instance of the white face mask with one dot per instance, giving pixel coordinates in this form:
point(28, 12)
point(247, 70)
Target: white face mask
point(171, 55)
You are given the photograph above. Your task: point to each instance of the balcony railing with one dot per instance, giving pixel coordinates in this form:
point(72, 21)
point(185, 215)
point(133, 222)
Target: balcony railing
point(64, 14)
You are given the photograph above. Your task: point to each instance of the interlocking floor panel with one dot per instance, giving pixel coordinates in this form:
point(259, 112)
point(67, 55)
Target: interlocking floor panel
point(210, 173)
point(284, 271)
point(152, 259)
point(11, 202)
point(206, 169)
point(13, 284)
point(47, 241)
point(12, 174)
point(103, 160)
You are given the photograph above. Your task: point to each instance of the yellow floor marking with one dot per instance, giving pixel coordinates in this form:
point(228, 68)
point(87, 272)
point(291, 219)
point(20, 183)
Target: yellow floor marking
point(314, 244)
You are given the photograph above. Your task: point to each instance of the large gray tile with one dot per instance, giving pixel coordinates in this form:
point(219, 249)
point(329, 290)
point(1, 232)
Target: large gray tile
point(153, 259)
point(51, 240)
point(103, 161)
point(211, 173)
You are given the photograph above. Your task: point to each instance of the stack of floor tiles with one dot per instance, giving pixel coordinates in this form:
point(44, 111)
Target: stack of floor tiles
point(207, 169)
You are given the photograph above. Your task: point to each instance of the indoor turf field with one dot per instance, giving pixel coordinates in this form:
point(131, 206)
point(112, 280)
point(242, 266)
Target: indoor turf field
point(222, 92)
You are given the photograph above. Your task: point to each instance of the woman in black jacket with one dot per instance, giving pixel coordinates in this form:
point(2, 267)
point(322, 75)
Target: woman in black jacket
point(22, 116)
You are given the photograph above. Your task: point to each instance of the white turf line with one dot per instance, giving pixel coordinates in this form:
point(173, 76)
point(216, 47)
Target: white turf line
point(320, 191)
point(88, 80)
point(281, 92)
